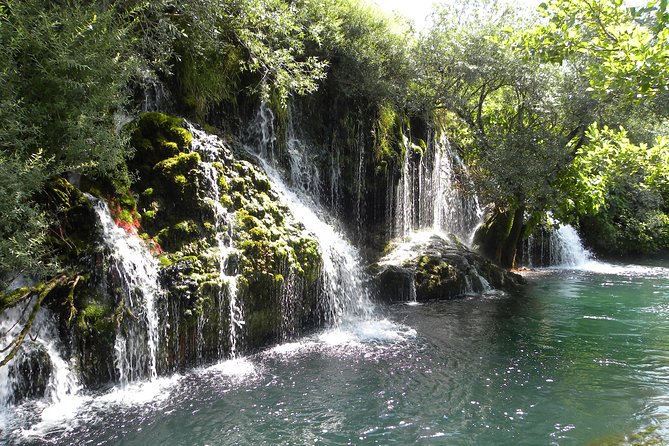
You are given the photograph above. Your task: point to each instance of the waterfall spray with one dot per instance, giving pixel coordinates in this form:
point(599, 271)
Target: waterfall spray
point(136, 272)
point(345, 293)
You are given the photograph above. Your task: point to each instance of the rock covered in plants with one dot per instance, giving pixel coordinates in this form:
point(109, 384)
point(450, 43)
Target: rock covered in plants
point(432, 266)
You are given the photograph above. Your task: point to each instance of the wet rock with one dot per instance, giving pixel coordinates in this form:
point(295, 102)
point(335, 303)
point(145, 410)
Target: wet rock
point(435, 266)
point(30, 372)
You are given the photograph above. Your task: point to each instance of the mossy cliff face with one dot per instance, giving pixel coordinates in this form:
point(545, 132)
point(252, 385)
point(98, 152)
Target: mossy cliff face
point(211, 240)
point(273, 262)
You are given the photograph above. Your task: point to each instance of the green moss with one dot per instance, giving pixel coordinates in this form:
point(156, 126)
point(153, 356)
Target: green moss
point(238, 184)
point(96, 319)
point(387, 149)
point(182, 162)
point(175, 177)
point(127, 201)
point(8, 300)
point(149, 216)
point(156, 137)
point(226, 201)
point(154, 126)
point(174, 237)
point(165, 260)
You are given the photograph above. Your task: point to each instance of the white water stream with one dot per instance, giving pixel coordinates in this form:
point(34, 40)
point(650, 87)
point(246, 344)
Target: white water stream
point(211, 150)
point(435, 192)
point(346, 296)
point(566, 248)
point(135, 270)
point(42, 342)
point(562, 247)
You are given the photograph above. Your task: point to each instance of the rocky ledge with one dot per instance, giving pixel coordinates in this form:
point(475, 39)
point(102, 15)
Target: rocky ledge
point(431, 266)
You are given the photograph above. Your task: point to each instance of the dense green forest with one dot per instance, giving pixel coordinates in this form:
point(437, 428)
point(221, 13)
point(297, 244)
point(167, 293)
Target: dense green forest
point(560, 114)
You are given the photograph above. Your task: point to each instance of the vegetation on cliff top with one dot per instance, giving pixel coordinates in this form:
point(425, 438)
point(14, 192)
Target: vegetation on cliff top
point(527, 101)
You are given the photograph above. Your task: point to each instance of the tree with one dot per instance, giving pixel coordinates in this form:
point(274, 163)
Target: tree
point(625, 49)
point(521, 128)
point(63, 75)
point(619, 192)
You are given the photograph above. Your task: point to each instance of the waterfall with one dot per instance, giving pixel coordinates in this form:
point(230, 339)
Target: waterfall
point(560, 246)
point(304, 173)
point(38, 369)
point(566, 248)
point(360, 178)
point(134, 271)
point(212, 150)
point(345, 293)
point(435, 191)
point(405, 221)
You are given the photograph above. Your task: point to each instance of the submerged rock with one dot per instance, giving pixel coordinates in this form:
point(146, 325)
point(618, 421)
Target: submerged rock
point(434, 266)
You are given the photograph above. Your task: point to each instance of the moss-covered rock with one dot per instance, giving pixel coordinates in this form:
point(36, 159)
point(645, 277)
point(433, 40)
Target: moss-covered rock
point(437, 268)
point(246, 248)
point(73, 224)
point(95, 330)
point(156, 136)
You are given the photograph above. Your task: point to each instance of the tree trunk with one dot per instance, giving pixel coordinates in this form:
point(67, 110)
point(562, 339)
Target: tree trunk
point(508, 257)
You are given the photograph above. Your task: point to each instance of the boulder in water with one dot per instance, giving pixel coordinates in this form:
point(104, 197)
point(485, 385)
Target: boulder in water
point(434, 266)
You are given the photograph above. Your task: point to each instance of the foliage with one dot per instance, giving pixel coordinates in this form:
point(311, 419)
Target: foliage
point(621, 190)
point(369, 53)
point(519, 125)
point(63, 74)
point(624, 48)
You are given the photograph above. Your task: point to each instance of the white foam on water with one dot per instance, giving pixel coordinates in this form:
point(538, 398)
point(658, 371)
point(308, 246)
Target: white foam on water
point(363, 332)
point(291, 348)
point(234, 368)
point(140, 392)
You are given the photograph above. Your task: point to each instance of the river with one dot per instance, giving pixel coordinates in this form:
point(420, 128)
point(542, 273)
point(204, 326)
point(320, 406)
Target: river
point(579, 357)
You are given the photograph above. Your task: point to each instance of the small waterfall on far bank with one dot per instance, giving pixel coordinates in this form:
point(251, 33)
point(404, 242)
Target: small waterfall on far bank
point(134, 272)
point(558, 247)
point(345, 292)
point(566, 248)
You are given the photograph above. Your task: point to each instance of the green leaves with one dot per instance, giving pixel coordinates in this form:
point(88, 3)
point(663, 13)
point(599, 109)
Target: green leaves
point(625, 49)
point(63, 74)
point(622, 186)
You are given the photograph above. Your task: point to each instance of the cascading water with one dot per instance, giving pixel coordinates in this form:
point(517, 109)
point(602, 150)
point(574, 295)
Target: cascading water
point(435, 192)
point(38, 370)
point(561, 247)
point(345, 293)
point(304, 174)
point(360, 177)
point(211, 150)
point(566, 248)
point(135, 271)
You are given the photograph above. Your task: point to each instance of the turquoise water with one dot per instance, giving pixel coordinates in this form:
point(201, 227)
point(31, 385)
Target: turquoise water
point(579, 357)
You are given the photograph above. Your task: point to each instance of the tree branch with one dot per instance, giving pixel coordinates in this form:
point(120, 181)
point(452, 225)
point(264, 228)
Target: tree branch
point(18, 341)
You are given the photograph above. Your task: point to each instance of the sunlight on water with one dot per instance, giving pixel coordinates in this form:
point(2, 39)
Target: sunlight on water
point(521, 368)
point(239, 368)
point(141, 392)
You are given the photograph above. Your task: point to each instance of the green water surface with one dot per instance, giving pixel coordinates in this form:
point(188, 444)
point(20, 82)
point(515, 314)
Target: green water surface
point(577, 358)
